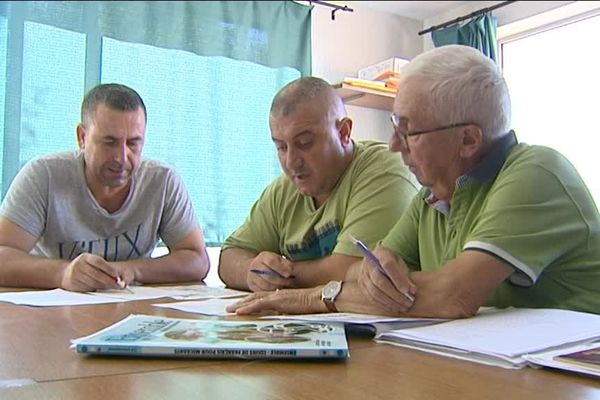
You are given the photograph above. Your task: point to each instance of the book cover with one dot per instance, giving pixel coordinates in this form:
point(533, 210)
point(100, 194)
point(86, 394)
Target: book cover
point(576, 359)
point(589, 358)
point(147, 335)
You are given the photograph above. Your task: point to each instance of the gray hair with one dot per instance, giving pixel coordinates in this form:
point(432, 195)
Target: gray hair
point(116, 96)
point(463, 86)
point(306, 89)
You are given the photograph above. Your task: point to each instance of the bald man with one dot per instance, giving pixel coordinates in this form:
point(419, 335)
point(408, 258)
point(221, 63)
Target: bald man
point(299, 232)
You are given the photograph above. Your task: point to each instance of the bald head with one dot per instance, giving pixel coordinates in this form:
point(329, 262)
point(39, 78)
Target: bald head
point(308, 90)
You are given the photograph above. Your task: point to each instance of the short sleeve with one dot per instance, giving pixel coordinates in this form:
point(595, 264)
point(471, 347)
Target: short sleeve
point(26, 203)
point(259, 232)
point(178, 216)
point(532, 217)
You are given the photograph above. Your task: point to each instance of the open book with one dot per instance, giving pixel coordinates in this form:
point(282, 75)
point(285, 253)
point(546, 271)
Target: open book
point(146, 335)
point(507, 338)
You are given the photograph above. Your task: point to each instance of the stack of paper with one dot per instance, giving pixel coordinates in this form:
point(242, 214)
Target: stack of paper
point(505, 338)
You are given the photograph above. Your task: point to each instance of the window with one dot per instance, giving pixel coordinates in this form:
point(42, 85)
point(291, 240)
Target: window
point(212, 126)
point(553, 74)
point(51, 97)
point(3, 51)
point(207, 72)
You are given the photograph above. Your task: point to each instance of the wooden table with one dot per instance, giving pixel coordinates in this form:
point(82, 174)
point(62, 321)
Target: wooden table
point(34, 347)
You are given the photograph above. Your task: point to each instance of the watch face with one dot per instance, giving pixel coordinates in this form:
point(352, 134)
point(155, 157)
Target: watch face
point(332, 289)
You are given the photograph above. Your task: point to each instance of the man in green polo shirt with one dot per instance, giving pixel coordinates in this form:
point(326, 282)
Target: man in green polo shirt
point(497, 223)
point(299, 232)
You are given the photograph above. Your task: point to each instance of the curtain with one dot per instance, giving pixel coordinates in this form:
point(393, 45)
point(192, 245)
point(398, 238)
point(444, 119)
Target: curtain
point(479, 33)
point(207, 72)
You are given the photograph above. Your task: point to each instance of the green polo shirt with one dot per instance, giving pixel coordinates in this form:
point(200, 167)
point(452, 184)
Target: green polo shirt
point(374, 191)
point(526, 205)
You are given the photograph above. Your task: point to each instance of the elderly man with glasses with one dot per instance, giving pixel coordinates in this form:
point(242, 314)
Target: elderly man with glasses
point(497, 223)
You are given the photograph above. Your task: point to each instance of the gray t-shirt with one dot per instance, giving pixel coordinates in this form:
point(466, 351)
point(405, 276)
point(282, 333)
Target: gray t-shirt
point(50, 199)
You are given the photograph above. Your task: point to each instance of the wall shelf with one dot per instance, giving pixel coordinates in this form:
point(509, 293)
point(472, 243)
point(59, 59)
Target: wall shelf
point(365, 97)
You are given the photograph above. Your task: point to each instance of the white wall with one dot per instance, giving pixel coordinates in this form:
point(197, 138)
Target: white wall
point(363, 37)
point(354, 40)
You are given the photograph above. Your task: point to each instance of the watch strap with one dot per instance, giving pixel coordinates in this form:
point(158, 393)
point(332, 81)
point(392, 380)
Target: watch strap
point(330, 304)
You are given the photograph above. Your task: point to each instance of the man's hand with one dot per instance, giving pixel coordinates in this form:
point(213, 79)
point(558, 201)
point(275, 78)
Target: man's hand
point(291, 301)
point(392, 293)
point(269, 271)
point(89, 272)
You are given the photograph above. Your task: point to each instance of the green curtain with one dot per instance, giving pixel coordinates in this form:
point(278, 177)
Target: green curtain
point(207, 71)
point(479, 33)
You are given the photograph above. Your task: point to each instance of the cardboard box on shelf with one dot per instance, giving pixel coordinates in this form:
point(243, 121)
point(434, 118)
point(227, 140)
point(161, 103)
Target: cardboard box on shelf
point(372, 72)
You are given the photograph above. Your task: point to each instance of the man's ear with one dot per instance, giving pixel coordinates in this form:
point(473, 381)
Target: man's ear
point(472, 141)
point(345, 129)
point(81, 136)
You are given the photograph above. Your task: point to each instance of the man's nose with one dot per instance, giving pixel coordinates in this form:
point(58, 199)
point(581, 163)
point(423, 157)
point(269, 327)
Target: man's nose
point(120, 153)
point(293, 158)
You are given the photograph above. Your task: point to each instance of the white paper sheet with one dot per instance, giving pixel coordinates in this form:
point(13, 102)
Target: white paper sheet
point(198, 292)
point(207, 307)
point(60, 297)
point(55, 297)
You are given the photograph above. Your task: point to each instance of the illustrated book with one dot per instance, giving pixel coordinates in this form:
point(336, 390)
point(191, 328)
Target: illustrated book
point(147, 335)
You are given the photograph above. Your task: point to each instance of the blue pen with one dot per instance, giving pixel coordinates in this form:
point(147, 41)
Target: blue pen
point(270, 272)
point(374, 260)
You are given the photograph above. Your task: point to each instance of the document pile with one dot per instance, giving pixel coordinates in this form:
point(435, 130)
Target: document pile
point(509, 338)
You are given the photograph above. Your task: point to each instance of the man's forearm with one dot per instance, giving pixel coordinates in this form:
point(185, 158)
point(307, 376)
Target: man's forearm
point(181, 265)
point(318, 272)
point(20, 269)
point(234, 264)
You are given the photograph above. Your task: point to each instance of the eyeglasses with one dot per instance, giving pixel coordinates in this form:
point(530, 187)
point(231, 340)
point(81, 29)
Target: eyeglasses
point(403, 136)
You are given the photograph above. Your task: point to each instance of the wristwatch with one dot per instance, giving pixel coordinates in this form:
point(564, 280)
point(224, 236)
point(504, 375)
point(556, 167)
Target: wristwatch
point(329, 293)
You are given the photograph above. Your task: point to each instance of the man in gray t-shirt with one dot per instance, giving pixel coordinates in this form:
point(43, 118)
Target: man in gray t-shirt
point(90, 220)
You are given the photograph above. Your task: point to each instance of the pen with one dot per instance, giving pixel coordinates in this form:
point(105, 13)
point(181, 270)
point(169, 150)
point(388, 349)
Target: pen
point(270, 272)
point(374, 260)
point(123, 285)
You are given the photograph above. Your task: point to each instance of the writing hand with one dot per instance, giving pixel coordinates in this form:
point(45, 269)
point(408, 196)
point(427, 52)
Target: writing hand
point(89, 272)
point(392, 290)
point(269, 271)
